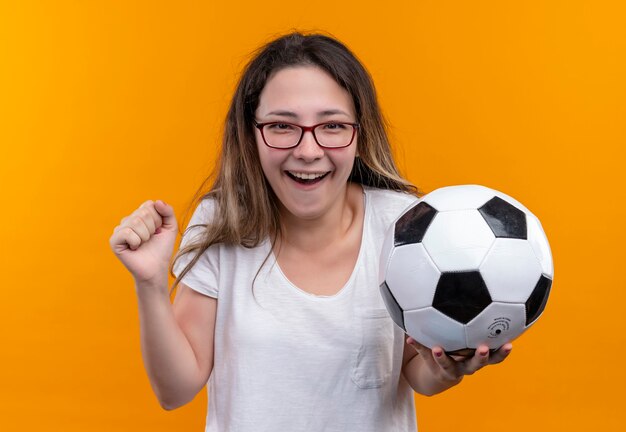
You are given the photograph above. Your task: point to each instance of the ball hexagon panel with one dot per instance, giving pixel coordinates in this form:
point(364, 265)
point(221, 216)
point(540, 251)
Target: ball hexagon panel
point(412, 276)
point(510, 270)
point(536, 303)
point(504, 219)
point(461, 295)
point(464, 197)
point(393, 308)
point(539, 242)
point(430, 327)
point(412, 225)
point(385, 253)
point(458, 240)
point(496, 325)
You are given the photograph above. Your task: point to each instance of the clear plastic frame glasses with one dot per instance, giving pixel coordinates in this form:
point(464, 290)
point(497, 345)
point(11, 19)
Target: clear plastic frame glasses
point(282, 135)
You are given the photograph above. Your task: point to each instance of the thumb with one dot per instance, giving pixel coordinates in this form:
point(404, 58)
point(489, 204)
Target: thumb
point(167, 214)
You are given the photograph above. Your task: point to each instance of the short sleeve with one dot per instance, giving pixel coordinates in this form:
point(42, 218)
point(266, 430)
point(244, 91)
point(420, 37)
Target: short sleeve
point(204, 275)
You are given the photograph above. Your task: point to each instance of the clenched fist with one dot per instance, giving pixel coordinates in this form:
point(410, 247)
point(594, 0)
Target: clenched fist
point(144, 241)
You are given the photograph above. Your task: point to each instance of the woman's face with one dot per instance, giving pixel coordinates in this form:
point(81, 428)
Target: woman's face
point(306, 95)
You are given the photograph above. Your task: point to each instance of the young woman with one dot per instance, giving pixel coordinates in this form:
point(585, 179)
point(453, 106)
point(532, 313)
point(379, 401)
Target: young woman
point(278, 306)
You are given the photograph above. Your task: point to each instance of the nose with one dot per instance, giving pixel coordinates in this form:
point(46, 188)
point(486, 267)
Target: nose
point(308, 149)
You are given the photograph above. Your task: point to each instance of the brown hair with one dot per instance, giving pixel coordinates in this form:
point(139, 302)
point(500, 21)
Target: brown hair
point(246, 209)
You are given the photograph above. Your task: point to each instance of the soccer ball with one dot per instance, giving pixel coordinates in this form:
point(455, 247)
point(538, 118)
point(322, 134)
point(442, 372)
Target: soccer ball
point(465, 265)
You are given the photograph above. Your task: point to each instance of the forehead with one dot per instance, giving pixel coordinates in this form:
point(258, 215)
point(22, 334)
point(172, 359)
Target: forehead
point(304, 91)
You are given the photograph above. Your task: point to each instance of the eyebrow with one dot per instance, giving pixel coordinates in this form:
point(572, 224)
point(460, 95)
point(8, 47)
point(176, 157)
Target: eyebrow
point(324, 113)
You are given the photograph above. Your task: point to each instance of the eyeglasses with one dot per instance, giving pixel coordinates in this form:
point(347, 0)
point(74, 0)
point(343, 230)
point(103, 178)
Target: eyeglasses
point(283, 135)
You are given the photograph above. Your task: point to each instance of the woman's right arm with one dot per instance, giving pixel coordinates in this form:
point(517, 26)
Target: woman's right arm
point(176, 340)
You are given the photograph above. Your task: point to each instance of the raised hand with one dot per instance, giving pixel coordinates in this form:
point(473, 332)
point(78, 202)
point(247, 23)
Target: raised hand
point(144, 241)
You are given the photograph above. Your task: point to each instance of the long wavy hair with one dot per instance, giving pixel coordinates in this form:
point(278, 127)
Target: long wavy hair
point(246, 208)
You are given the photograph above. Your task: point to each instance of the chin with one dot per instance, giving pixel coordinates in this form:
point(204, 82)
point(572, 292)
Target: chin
point(310, 213)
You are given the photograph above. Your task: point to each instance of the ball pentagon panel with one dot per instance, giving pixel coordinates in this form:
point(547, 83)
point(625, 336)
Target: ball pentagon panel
point(512, 201)
point(536, 303)
point(504, 219)
point(461, 295)
point(412, 225)
point(394, 309)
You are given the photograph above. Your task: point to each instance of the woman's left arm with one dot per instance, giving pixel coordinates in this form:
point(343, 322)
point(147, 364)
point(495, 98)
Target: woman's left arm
point(430, 372)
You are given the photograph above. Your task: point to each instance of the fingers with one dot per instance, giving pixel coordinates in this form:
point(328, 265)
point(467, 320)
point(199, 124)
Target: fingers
point(484, 357)
point(479, 360)
point(166, 215)
point(131, 238)
point(502, 353)
point(425, 353)
point(436, 360)
point(448, 365)
point(140, 225)
point(149, 215)
point(421, 349)
point(455, 367)
point(124, 238)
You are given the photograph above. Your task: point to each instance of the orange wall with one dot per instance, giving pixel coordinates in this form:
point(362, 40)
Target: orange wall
point(106, 104)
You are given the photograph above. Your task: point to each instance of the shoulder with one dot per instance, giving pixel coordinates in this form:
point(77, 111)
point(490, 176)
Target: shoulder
point(206, 208)
point(387, 202)
point(204, 212)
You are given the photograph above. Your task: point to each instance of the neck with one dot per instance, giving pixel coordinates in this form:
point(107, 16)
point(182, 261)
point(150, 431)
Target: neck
point(316, 234)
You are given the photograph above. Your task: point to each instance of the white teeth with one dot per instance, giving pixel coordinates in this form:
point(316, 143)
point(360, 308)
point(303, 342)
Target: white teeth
point(306, 176)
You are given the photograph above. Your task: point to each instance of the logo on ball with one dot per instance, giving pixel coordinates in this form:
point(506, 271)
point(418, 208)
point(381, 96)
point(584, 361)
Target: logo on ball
point(499, 326)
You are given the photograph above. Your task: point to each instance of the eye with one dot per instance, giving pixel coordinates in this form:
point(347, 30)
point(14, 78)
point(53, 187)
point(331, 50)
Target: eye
point(281, 127)
point(334, 127)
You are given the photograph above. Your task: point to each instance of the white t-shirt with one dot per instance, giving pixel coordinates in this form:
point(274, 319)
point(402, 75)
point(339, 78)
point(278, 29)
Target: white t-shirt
point(287, 360)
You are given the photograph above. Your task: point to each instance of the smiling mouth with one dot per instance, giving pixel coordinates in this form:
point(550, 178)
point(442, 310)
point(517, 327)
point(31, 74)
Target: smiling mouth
point(306, 178)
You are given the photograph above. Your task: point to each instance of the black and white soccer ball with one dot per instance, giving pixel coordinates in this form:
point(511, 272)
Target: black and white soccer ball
point(465, 265)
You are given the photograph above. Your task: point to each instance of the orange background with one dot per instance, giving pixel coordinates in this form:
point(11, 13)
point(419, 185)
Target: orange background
point(106, 104)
